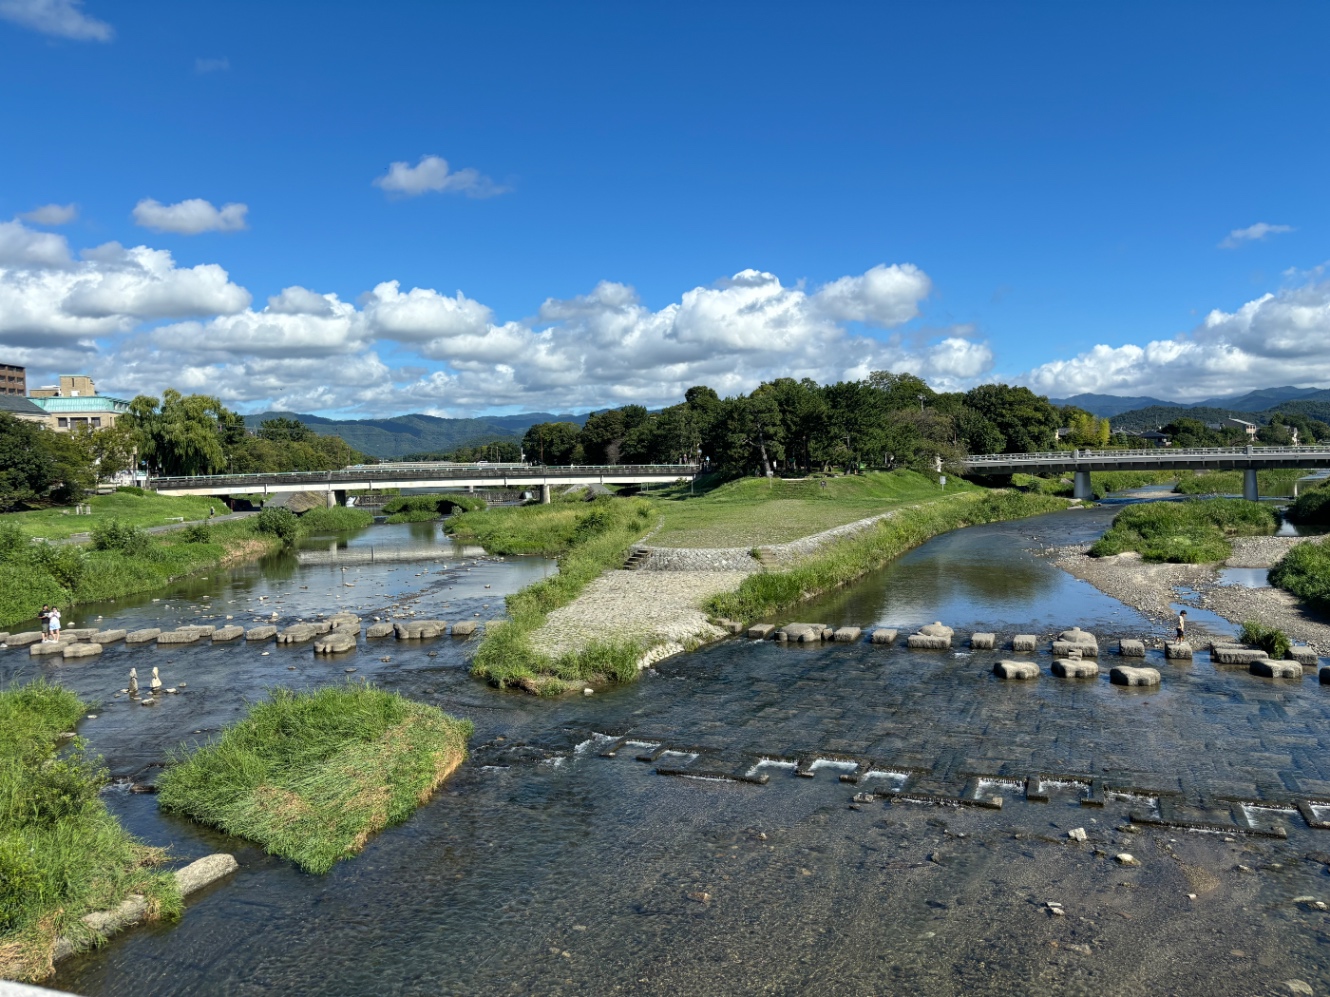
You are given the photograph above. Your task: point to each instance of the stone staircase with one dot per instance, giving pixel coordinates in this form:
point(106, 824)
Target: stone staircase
point(637, 557)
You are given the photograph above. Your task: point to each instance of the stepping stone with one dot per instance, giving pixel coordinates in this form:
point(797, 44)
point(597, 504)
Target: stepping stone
point(1178, 652)
point(1016, 670)
point(265, 631)
point(1069, 668)
point(1305, 656)
point(78, 633)
point(1276, 669)
point(298, 633)
point(761, 631)
point(379, 630)
point(936, 629)
point(4, 637)
point(109, 636)
point(1078, 636)
point(1024, 642)
point(1127, 675)
point(884, 635)
point(84, 650)
point(352, 628)
point(227, 633)
point(24, 639)
point(198, 630)
point(983, 642)
point(847, 635)
point(344, 619)
point(334, 642)
point(420, 629)
point(812, 637)
point(1131, 648)
point(142, 636)
point(1088, 649)
point(49, 647)
point(1233, 655)
point(923, 641)
point(464, 629)
point(178, 637)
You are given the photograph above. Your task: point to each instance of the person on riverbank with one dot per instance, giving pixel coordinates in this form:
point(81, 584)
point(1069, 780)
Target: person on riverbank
point(1182, 627)
point(53, 625)
point(45, 617)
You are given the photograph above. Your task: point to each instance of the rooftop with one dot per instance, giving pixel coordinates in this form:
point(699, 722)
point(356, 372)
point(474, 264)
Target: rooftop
point(86, 403)
point(18, 405)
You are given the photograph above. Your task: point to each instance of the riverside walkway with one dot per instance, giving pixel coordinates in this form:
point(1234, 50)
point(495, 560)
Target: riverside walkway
point(1082, 462)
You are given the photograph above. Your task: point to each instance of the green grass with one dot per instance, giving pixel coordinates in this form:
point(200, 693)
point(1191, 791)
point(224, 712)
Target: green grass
point(751, 512)
point(424, 508)
point(1196, 531)
point(843, 561)
point(1274, 482)
point(1272, 641)
point(1305, 572)
point(1102, 482)
point(311, 776)
point(588, 538)
point(131, 508)
point(62, 855)
point(1312, 506)
point(338, 519)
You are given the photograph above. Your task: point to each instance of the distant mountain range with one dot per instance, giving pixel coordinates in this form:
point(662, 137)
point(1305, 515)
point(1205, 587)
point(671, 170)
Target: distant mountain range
point(408, 434)
point(1264, 400)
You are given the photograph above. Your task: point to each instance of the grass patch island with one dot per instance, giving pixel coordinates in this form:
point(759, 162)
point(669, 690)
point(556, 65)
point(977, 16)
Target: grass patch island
point(1196, 531)
point(311, 776)
point(62, 854)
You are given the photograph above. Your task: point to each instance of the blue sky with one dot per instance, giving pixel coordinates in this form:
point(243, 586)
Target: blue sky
point(639, 197)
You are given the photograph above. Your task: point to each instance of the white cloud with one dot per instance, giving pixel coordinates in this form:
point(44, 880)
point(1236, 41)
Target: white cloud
point(432, 174)
point(190, 217)
point(885, 296)
point(1278, 338)
point(204, 66)
point(21, 246)
point(51, 214)
point(1252, 233)
point(62, 18)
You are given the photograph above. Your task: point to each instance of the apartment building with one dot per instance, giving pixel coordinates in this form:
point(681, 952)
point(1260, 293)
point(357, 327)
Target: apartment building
point(13, 380)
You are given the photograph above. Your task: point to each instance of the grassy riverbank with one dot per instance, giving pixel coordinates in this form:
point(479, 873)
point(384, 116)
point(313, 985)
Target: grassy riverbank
point(843, 561)
point(62, 854)
point(130, 507)
point(1278, 481)
point(588, 539)
point(1305, 572)
point(312, 776)
point(1193, 532)
point(424, 508)
point(1102, 482)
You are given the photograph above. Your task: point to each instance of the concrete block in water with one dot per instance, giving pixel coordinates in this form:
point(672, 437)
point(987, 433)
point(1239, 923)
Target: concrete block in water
point(761, 631)
point(379, 630)
point(144, 636)
point(1305, 656)
point(1016, 670)
point(334, 642)
point(847, 635)
point(1233, 655)
point(24, 639)
point(1024, 642)
point(49, 647)
point(204, 872)
point(298, 633)
point(4, 636)
point(794, 631)
point(922, 641)
point(1078, 636)
point(1276, 669)
point(265, 631)
point(344, 619)
point(1088, 649)
point(936, 629)
point(420, 629)
point(109, 636)
point(884, 635)
point(1178, 652)
point(178, 637)
point(983, 642)
point(1131, 648)
point(1069, 668)
point(1127, 675)
point(200, 630)
point(811, 637)
point(86, 650)
point(352, 628)
point(228, 633)
point(78, 633)
point(464, 629)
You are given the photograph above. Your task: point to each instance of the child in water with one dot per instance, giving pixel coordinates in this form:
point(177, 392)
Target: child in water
point(1182, 626)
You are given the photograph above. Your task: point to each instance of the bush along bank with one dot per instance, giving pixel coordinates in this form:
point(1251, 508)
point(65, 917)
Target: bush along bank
point(311, 776)
point(1196, 531)
point(587, 538)
point(1305, 572)
point(62, 854)
point(844, 561)
point(424, 508)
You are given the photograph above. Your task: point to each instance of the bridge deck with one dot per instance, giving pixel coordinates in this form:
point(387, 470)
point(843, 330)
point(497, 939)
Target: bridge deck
point(1155, 459)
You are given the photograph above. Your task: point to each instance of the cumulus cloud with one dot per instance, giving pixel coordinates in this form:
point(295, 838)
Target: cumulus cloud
point(885, 296)
point(62, 18)
point(1277, 338)
point(1252, 233)
point(51, 214)
point(190, 217)
point(204, 66)
point(432, 174)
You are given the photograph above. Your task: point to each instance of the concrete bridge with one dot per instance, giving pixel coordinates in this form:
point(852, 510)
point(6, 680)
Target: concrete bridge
point(368, 477)
point(1249, 460)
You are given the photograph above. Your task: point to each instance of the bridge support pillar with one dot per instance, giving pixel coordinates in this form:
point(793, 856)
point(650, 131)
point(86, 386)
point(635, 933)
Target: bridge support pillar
point(1081, 488)
point(544, 494)
point(332, 498)
point(1250, 491)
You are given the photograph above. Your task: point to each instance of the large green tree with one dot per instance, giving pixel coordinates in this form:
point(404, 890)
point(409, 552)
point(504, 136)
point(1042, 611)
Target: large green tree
point(26, 468)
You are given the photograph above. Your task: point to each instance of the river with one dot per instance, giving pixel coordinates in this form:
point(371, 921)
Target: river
point(545, 868)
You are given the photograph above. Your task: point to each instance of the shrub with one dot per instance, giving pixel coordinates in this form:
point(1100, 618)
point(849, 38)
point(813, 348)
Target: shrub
point(124, 539)
point(1311, 506)
point(197, 533)
point(63, 562)
point(281, 523)
point(1305, 572)
point(1272, 641)
point(131, 490)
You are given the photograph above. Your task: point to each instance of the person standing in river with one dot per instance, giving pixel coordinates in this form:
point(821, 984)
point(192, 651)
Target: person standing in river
point(45, 617)
point(1182, 627)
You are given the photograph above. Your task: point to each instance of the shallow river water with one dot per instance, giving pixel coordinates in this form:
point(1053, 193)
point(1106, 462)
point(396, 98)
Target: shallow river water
point(544, 867)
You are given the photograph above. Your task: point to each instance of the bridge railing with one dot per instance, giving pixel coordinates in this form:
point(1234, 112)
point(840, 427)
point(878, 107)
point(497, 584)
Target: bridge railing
point(355, 476)
point(1155, 453)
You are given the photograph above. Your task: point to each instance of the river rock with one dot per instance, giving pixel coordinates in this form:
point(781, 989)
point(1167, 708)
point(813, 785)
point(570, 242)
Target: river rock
point(1078, 636)
point(4, 636)
point(1088, 648)
point(922, 641)
point(298, 633)
point(847, 635)
point(86, 650)
point(1232, 654)
point(78, 633)
point(1024, 642)
point(1131, 648)
point(1016, 670)
point(761, 631)
point(1276, 669)
point(464, 629)
point(204, 872)
point(344, 619)
point(320, 626)
point(142, 636)
point(1178, 651)
point(1127, 675)
point(815, 636)
point(884, 635)
point(795, 631)
point(24, 639)
point(421, 629)
point(265, 631)
point(379, 630)
point(178, 637)
point(1069, 668)
point(334, 642)
point(227, 633)
point(1305, 656)
point(49, 647)
point(352, 628)
point(983, 642)
point(936, 629)
point(109, 636)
